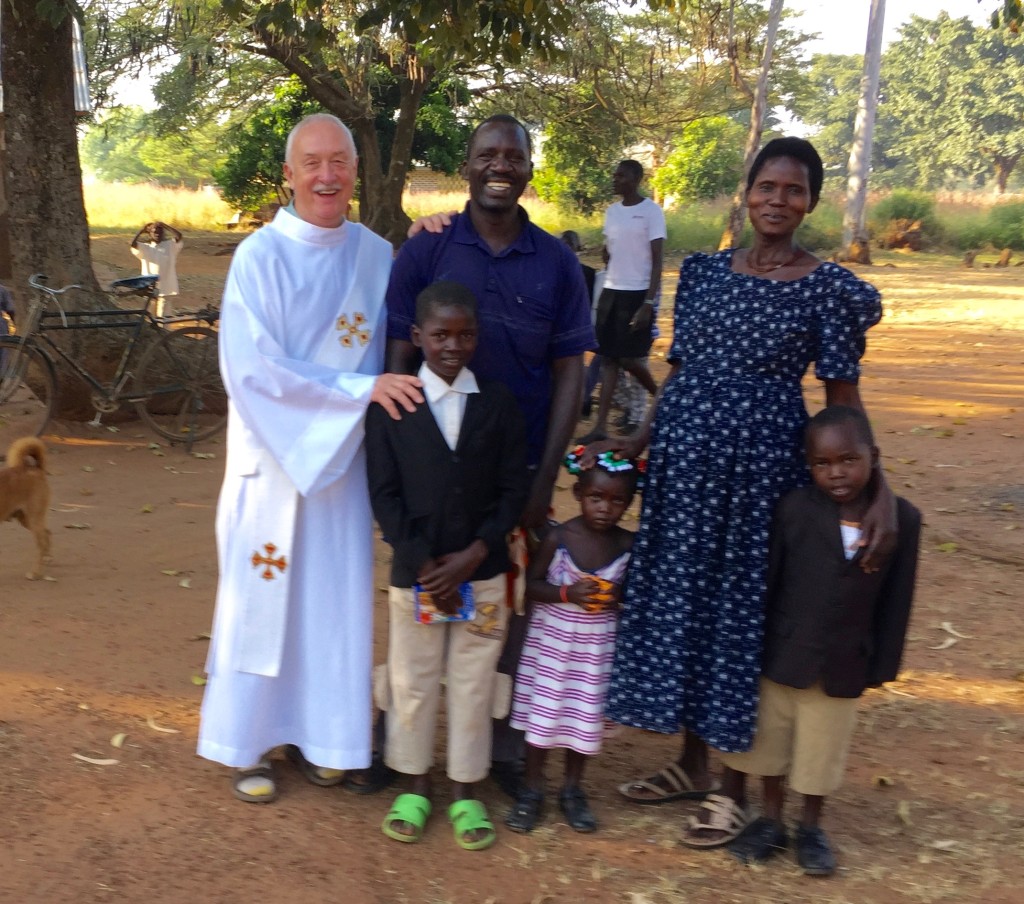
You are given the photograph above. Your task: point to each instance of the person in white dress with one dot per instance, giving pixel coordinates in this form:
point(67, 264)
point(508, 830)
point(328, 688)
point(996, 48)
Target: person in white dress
point(302, 336)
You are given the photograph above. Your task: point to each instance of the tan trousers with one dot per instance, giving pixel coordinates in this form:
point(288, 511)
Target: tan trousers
point(464, 655)
point(801, 733)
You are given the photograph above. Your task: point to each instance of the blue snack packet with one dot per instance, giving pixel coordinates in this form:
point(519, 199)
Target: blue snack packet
point(427, 613)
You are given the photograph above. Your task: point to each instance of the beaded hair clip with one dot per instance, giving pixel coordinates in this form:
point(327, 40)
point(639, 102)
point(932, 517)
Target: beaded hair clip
point(607, 461)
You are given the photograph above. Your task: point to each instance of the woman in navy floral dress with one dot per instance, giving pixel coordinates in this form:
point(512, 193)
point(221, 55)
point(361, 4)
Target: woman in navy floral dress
point(725, 444)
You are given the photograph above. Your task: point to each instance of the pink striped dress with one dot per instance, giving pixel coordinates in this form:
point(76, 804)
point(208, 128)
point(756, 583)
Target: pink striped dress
point(562, 680)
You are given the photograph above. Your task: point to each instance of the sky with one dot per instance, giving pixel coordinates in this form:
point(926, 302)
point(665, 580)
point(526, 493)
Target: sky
point(841, 24)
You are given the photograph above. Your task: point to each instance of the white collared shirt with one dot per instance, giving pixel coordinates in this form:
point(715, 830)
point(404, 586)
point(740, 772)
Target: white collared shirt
point(448, 403)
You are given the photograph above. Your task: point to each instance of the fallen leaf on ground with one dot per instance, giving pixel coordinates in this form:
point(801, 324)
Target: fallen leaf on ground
point(152, 724)
point(947, 547)
point(170, 572)
point(949, 629)
point(118, 740)
point(198, 680)
point(883, 781)
point(945, 845)
point(946, 644)
point(903, 812)
point(186, 583)
point(146, 509)
point(78, 525)
point(94, 760)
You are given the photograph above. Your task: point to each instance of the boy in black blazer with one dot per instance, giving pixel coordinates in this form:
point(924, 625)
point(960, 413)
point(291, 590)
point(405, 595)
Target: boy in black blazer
point(447, 483)
point(832, 629)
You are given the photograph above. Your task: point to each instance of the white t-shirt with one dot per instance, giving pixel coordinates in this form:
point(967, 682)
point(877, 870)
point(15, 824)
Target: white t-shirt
point(159, 260)
point(628, 233)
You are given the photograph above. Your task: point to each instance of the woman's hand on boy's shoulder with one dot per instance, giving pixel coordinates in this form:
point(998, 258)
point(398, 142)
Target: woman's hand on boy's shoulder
point(879, 530)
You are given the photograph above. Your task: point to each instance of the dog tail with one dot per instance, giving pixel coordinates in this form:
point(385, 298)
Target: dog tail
point(28, 451)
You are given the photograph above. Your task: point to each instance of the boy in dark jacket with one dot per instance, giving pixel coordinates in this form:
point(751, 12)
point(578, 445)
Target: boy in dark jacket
point(447, 484)
point(832, 630)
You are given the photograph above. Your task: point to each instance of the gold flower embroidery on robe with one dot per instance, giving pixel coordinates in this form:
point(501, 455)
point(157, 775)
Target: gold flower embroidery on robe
point(353, 330)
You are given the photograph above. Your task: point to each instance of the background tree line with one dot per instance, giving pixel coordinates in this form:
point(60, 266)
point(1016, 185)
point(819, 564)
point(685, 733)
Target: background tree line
point(667, 80)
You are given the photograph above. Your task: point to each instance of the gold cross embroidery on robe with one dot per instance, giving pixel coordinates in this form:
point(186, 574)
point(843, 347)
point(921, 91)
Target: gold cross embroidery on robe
point(353, 330)
point(269, 561)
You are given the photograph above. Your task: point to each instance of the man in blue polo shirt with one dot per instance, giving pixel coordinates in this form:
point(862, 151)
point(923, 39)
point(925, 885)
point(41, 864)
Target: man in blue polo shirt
point(534, 313)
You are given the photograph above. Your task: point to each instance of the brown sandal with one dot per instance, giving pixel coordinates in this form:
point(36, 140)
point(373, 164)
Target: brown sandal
point(672, 783)
point(263, 791)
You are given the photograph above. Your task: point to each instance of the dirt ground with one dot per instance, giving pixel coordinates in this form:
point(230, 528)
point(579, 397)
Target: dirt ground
point(114, 644)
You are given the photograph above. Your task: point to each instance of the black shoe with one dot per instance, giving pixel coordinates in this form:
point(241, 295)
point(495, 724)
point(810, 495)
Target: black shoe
point(508, 776)
point(814, 853)
point(586, 408)
point(759, 841)
point(573, 803)
point(375, 777)
point(526, 812)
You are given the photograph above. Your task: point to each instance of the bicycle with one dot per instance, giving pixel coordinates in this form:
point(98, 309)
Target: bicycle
point(176, 387)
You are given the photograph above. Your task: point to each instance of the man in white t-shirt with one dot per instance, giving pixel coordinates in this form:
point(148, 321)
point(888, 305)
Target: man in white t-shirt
point(158, 253)
point(634, 231)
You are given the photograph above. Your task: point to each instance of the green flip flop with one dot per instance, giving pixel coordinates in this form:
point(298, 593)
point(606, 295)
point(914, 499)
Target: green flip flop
point(413, 809)
point(468, 816)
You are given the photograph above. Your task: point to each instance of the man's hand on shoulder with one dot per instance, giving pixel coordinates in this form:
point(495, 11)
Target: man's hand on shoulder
point(435, 222)
point(393, 390)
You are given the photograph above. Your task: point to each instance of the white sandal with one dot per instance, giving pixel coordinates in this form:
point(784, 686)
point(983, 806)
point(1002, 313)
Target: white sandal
point(720, 814)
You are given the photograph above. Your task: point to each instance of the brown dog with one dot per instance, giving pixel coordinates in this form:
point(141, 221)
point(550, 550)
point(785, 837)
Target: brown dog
point(25, 494)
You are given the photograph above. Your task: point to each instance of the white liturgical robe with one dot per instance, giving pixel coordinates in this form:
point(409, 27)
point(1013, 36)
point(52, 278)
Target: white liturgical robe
point(302, 335)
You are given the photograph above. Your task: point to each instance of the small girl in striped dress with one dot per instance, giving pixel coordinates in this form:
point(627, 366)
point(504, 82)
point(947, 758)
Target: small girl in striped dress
point(574, 587)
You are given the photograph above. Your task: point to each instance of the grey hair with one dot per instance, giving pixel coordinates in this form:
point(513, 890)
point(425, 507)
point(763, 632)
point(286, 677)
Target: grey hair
point(307, 120)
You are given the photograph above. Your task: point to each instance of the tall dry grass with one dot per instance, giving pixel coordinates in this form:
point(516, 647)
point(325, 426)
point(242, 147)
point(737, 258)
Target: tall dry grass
point(964, 218)
point(122, 206)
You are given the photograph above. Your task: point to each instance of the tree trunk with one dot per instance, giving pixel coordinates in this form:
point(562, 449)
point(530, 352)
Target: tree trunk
point(855, 237)
point(731, 235)
point(49, 232)
point(381, 191)
point(1004, 166)
point(42, 174)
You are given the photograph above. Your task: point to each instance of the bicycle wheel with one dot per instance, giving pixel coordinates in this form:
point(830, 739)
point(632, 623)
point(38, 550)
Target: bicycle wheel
point(185, 397)
point(28, 390)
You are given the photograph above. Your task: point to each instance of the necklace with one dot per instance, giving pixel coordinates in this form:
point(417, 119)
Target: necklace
point(760, 268)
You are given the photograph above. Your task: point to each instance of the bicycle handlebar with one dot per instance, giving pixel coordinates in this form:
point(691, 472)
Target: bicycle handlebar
point(37, 281)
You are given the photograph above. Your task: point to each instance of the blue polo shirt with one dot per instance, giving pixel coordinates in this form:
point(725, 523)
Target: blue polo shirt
point(533, 307)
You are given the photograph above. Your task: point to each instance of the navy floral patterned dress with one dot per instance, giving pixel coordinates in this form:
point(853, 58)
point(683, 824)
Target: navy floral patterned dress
point(726, 443)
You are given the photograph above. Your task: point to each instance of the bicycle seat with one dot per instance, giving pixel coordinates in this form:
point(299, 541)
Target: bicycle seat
point(134, 284)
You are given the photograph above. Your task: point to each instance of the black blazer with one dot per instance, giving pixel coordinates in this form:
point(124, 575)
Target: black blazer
point(430, 500)
point(826, 618)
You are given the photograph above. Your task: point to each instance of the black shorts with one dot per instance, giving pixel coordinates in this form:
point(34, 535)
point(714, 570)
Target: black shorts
point(615, 309)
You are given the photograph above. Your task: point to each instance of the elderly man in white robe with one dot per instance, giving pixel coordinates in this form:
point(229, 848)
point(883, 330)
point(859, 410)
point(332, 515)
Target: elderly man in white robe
point(302, 336)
